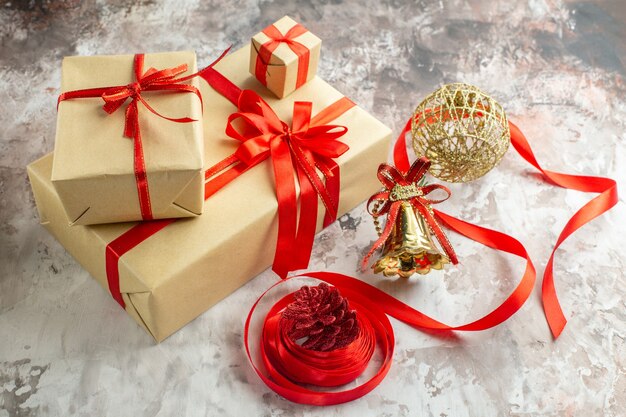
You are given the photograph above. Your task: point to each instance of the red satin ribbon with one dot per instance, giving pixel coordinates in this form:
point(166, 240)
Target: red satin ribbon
point(165, 81)
point(594, 208)
point(286, 366)
point(284, 358)
point(389, 176)
point(276, 38)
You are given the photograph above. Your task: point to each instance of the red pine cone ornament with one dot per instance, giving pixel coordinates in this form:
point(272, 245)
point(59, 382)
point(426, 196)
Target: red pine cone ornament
point(323, 316)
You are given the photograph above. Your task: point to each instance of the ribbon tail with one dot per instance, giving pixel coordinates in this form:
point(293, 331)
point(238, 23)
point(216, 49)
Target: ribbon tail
point(287, 207)
point(501, 242)
point(307, 166)
point(434, 225)
point(131, 120)
point(391, 221)
point(307, 223)
point(596, 207)
point(334, 190)
point(400, 155)
point(405, 313)
point(550, 301)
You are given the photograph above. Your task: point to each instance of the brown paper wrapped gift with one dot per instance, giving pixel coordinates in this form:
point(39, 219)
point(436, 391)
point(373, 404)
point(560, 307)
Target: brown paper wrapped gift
point(284, 70)
point(175, 275)
point(93, 169)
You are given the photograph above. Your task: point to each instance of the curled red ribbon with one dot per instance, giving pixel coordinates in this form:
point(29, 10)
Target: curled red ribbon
point(165, 81)
point(284, 358)
point(594, 208)
point(276, 38)
point(285, 366)
point(391, 177)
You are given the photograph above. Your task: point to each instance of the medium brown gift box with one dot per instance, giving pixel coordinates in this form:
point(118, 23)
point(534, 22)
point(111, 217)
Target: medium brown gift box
point(185, 268)
point(93, 170)
point(281, 70)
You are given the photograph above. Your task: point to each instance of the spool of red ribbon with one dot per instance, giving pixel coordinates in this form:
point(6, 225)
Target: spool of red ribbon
point(304, 375)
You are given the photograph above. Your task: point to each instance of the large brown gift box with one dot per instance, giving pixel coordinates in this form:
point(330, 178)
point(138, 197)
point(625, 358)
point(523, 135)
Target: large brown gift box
point(185, 268)
point(93, 170)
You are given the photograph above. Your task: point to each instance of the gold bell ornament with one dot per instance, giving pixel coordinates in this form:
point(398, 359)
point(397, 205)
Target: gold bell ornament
point(406, 240)
point(409, 248)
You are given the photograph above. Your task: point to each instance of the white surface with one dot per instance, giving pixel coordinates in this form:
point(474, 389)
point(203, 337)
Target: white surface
point(66, 348)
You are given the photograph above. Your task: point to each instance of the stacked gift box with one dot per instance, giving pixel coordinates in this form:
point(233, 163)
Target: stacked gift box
point(162, 228)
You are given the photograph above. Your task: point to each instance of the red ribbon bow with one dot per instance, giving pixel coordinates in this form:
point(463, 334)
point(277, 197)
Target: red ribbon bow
point(276, 38)
point(391, 177)
point(298, 151)
point(114, 97)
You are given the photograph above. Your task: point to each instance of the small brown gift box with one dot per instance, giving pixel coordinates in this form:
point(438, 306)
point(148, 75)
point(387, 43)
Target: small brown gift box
point(284, 56)
point(93, 169)
point(188, 266)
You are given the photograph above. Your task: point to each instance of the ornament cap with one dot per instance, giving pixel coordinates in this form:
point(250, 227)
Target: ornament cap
point(405, 192)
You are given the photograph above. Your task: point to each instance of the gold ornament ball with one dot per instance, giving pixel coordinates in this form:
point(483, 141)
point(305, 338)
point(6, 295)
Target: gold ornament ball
point(462, 130)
